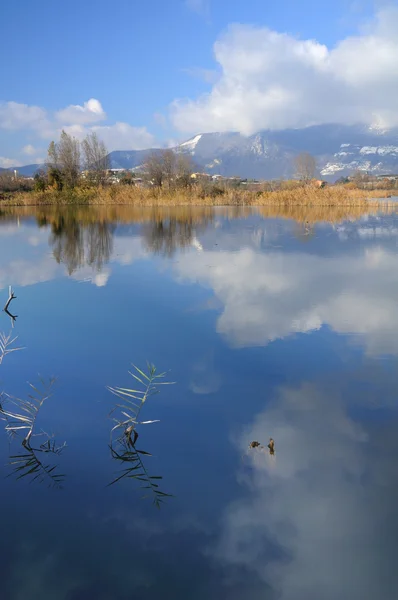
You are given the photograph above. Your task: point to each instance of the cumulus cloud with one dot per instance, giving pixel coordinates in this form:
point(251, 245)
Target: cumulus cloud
point(29, 150)
point(122, 136)
point(274, 80)
point(6, 163)
point(14, 116)
point(90, 112)
point(119, 136)
point(269, 296)
point(313, 515)
point(76, 120)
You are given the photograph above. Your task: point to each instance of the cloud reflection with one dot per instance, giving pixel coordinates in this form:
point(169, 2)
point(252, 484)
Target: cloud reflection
point(312, 522)
point(268, 296)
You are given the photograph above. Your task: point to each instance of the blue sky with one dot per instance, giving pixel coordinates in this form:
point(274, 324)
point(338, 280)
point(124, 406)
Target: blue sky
point(165, 70)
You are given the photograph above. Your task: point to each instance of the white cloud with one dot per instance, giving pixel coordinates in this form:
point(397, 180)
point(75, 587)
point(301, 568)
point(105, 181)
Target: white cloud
point(269, 296)
point(29, 150)
point(33, 261)
point(122, 136)
point(90, 112)
point(74, 119)
point(118, 136)
point(322, 500)
point(6, 163)
point(14, 116)
point(274, 80)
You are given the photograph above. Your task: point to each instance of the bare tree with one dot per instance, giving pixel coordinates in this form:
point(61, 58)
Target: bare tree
point(95, 158)
point(11, 183)
point(305, 166)
point(359, 177)
point(154, 168)
point(169, 161)
point(184, 170)
point(63, 160)
point(167, 167)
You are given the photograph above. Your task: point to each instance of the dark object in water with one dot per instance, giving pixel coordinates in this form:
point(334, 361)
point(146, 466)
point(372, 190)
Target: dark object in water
point(254, 444)
point(271, 446)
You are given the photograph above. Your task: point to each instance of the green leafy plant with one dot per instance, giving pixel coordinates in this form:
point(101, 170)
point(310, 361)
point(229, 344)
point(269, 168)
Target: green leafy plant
point(126, 416)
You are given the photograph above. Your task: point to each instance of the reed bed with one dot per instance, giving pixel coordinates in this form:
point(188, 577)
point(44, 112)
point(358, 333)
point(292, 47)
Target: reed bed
point(118, 195)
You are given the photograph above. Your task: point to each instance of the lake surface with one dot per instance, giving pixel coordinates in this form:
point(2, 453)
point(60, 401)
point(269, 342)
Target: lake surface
point(270, 327)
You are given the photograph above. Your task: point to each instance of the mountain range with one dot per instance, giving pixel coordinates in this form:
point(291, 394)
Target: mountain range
point(338, 149)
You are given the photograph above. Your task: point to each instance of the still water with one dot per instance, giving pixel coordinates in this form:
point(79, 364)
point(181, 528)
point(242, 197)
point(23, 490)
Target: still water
point(270, 326)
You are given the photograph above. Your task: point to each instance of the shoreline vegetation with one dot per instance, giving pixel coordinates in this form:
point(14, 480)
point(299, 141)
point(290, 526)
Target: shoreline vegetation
point(131, 195)
point(59, 216)
point(78, 173)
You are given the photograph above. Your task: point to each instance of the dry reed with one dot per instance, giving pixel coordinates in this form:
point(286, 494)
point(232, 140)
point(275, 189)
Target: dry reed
point(198, 196)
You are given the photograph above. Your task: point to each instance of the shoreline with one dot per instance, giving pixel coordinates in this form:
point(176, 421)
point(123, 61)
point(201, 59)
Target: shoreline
point(338, 196)
point(58, 214)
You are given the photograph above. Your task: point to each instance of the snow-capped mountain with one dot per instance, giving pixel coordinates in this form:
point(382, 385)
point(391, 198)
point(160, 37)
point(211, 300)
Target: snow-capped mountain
point(339, 150)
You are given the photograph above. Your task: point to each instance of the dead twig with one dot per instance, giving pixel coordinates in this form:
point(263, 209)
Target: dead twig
point(11, 296)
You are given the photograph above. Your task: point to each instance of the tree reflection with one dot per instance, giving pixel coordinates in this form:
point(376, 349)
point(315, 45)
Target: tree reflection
point(77, 245)
point(166, 236)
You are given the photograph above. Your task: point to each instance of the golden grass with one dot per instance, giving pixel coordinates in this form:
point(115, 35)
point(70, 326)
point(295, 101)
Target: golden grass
point(58, 215)
point(197, 196)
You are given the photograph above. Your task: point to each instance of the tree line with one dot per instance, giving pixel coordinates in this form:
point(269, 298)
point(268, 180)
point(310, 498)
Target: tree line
point(69, 162)
point(66, 159)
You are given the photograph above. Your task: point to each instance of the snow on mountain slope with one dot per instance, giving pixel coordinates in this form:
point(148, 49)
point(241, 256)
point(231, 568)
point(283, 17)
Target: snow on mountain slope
point(338, 149)
point(190, 144)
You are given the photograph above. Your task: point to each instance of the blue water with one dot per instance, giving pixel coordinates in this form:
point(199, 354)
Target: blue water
point(269, 328)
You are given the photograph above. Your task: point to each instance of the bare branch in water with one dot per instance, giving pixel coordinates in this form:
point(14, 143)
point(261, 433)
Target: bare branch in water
point(11, 296)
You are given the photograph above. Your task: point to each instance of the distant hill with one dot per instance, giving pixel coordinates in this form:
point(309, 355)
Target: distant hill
point(339, 150)
point(26, 170)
